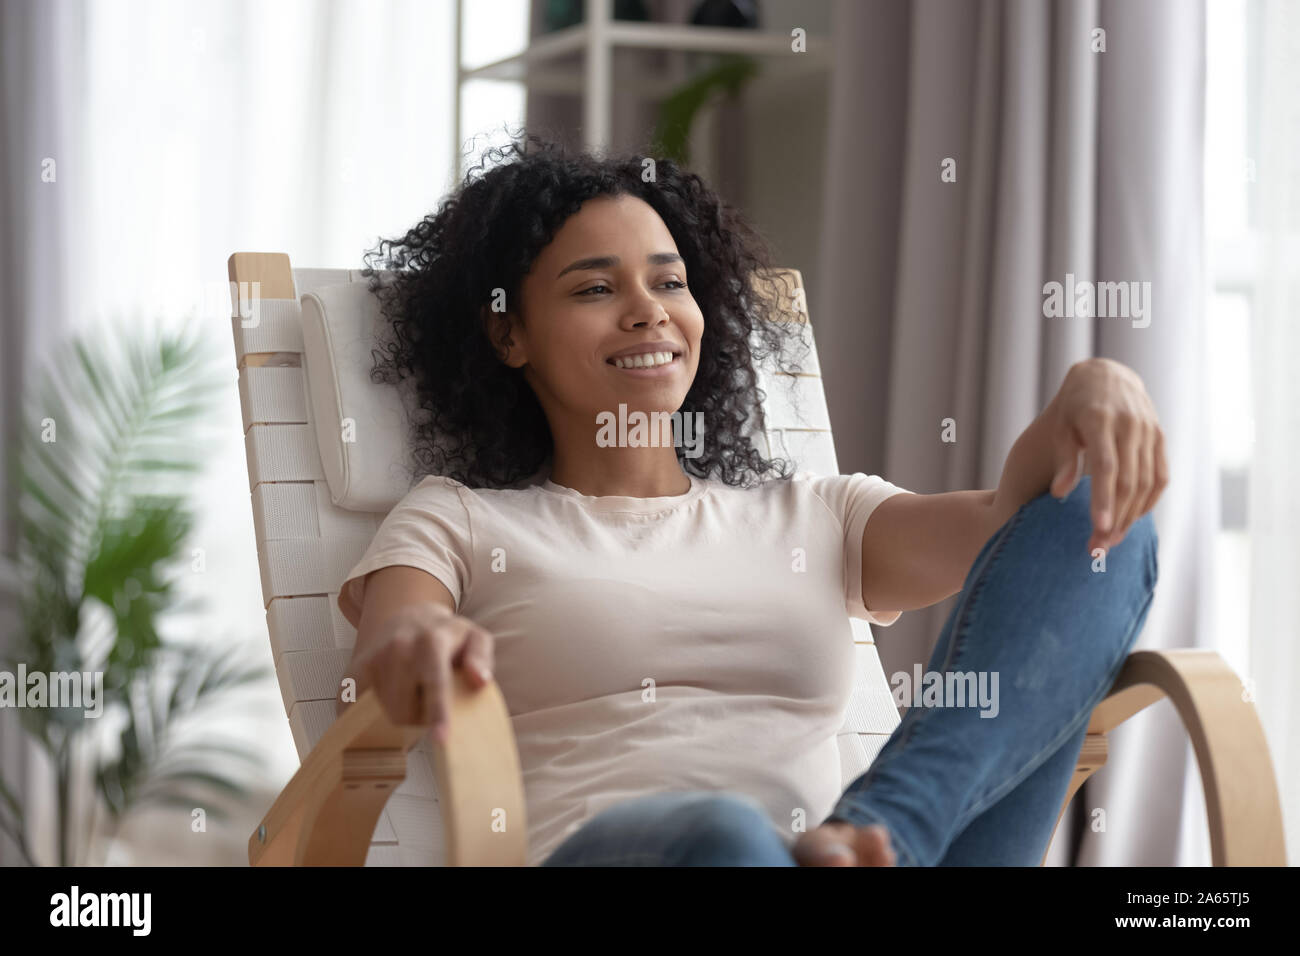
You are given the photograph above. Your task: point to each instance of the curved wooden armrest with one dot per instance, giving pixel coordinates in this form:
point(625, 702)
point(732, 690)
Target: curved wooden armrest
point(326, 814)
point(1241, 798)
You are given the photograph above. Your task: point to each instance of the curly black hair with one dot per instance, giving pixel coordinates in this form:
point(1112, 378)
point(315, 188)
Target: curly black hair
point(475, 419)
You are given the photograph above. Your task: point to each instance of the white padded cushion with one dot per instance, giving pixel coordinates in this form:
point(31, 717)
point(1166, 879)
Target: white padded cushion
point(339, 328)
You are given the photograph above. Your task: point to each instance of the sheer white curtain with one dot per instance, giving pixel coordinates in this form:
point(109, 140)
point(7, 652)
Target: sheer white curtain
point(1274, 504)
point(310, 127)
point(305, 126)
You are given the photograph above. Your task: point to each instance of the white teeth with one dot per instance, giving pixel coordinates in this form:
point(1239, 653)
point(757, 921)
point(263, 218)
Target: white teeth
point(645, 360)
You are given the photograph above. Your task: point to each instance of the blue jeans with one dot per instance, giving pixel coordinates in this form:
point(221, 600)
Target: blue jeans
point(955, 785)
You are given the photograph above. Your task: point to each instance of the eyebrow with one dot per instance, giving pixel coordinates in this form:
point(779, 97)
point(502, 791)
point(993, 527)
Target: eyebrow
point(606, 262)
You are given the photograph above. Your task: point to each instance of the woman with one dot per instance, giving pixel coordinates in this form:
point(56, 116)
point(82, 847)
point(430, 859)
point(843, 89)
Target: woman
point(669, 626)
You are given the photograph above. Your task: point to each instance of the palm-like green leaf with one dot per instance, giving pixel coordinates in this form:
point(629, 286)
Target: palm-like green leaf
point(102, 520)
point(678, 111)
point(101, 511)
point(152, 762)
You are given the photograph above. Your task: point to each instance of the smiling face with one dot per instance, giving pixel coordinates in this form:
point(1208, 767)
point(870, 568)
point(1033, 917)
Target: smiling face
point(610, 283)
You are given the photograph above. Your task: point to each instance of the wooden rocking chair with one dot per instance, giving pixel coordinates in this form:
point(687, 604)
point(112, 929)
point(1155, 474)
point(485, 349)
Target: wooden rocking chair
point(372, 793)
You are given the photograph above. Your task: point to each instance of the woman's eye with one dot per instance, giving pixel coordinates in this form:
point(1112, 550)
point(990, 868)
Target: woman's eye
point(676, 282)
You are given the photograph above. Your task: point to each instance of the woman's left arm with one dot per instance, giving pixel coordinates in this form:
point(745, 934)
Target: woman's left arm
point(917, 549)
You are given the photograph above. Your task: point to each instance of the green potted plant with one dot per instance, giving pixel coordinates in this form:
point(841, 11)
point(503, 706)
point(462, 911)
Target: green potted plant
point(678, 111)
point(105, 462)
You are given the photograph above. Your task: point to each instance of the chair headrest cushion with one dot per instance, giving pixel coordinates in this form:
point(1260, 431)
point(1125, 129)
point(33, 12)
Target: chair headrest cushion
point(361, 426)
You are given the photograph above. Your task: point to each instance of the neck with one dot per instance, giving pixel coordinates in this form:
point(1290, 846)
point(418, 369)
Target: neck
point(626, 472)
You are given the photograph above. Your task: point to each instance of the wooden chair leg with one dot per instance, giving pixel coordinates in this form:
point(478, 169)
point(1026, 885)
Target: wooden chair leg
point(1092, 756)
point(1242, 805)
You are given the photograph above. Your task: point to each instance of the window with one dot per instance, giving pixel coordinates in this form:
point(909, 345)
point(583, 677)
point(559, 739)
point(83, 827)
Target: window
point(1231, 155)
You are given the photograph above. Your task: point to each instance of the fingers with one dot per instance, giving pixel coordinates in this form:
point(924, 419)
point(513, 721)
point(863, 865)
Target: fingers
point(1151, 475)
point(1067, 470)
point(1145, 477)
point(396, 690)
point(1104, 406)
point(430, 666)
point(455, 642)
point(475, 656)
point(408, 676)
point(1103, 463)
point(827, 845)
point(843, 844)
point(873, 847)
point(1160, 470)
point(412, 669)
point(1128, 478)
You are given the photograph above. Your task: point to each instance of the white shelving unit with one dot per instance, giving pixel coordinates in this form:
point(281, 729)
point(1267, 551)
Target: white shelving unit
point(539, 67)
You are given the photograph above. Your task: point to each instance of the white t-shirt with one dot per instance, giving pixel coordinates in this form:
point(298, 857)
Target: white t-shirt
point(689, 642)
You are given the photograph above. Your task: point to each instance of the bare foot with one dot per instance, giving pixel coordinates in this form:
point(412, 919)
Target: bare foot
point(840, 843)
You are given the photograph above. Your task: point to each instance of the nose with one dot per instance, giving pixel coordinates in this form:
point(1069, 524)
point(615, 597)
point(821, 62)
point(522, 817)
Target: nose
point(645, 312)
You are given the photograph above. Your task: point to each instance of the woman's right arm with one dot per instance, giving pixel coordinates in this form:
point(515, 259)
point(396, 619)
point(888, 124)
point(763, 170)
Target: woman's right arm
point(409, 638)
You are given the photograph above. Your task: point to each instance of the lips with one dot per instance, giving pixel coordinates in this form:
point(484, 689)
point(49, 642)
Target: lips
point(666, 368)
point(654, 359)
point(647, 348)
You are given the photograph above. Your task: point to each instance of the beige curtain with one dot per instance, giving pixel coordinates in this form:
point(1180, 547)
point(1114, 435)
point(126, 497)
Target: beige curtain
point(42, 56)
point(1069, 158)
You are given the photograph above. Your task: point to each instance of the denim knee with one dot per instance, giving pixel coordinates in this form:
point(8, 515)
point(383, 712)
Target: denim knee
point(1073, 516)
point(1076, 508)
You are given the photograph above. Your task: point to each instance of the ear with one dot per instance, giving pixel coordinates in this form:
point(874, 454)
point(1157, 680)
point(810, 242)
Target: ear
point(500, 327)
